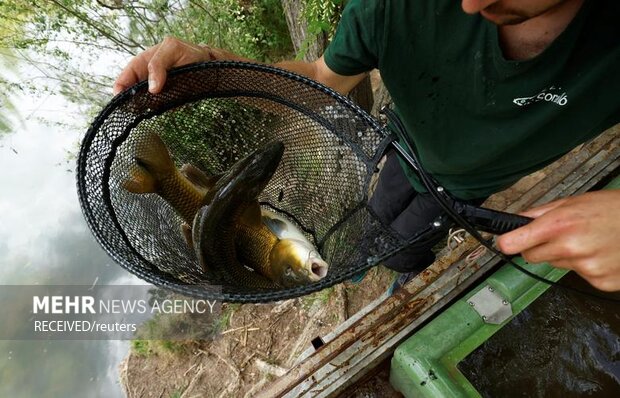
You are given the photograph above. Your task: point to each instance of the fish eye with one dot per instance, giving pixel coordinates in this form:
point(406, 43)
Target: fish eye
point(289, 272)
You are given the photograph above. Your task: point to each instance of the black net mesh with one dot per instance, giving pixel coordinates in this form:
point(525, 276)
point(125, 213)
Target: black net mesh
point(211, 115)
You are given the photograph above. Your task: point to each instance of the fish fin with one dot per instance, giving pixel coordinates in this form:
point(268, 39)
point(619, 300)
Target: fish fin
point(140, 181)
point(199, 177)
point(252, 214)
point(152, 162)
point(186, 230)
point(153, 155)
point(196, 230)
point(278, 227)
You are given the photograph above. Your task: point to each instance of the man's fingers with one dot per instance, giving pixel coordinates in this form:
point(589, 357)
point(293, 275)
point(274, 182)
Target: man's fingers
point(542, 254)
point(540, 210)
point(155, 62)
point(539, 231)
point(135, 71)
point(131, 75)
point(553, 251)
point(164, 58)
point(171, 52)
point(599, 278)
point(529, 236)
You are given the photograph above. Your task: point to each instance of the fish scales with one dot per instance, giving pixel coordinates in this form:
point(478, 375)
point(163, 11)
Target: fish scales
point(155, 172)
point(216, 225)
point(222, 253)
point(256, 248)
point(181, 194)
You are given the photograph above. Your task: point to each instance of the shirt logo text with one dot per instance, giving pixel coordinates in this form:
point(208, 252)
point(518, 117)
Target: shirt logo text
point(549, 95)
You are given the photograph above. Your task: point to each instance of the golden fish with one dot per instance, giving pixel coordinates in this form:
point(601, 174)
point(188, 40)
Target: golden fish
point(233, 232)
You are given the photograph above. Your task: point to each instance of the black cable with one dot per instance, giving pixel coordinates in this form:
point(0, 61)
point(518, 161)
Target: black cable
point(438, 193)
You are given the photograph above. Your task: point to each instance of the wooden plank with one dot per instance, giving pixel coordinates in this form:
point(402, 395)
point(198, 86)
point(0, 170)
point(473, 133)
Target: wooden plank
point(370, 339)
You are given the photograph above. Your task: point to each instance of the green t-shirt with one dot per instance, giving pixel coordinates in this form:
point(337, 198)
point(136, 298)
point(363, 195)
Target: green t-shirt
point(480, 122)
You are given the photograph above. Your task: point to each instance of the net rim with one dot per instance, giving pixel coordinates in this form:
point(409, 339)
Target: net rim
point(161, 278)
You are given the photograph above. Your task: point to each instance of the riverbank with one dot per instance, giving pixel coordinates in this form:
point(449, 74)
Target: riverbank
point(255, 343)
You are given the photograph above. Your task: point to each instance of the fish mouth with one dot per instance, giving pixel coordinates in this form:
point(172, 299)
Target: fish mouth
point(318, 267)
point(319, 270)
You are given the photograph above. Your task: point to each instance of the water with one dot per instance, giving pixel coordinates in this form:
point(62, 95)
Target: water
point(44, 240)
point(563, 345)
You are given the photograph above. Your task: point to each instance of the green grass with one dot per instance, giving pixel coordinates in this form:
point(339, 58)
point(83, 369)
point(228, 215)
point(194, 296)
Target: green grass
point(224, 319)
point(141, 347)
point(178, 333)
point(323, 296)
point(146, 348)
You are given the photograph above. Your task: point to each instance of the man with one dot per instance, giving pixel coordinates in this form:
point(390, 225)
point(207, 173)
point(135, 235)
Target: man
point(487, 96)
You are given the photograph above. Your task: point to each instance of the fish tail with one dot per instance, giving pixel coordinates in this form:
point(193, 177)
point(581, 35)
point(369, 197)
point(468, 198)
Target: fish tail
point(199, 177)
point(153, 164)
point(140, 181)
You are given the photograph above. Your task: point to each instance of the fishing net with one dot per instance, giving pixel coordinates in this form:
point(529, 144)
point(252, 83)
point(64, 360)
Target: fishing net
point(211, 115)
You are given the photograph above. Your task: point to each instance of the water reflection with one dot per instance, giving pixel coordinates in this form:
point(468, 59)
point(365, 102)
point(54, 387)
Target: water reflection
point(563, 345)
point(45, 240)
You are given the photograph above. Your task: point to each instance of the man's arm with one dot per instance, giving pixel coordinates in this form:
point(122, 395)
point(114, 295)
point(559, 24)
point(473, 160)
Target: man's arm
point(580, 233)
point(155, 62)
point(319, 71)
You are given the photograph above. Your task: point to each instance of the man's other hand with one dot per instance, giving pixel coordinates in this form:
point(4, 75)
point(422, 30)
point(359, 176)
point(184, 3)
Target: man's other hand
point(581, 233)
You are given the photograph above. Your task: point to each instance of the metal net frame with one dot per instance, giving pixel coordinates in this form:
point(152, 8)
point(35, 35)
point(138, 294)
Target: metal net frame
point(211, 115)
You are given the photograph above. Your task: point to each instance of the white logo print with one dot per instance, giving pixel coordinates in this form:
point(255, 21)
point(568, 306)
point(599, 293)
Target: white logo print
point(551, 94)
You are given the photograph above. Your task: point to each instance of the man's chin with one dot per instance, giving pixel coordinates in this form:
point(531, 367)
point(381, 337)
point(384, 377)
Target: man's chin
point(504, 19)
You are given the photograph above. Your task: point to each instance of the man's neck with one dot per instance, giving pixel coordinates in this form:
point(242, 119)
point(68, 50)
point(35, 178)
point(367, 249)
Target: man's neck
point(530, 38)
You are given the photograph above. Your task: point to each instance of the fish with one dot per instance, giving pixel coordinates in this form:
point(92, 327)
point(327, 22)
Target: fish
point(237, 239)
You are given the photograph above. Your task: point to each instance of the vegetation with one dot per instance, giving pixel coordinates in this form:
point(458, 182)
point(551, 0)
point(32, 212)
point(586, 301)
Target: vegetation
point(146, 348)
point(202, 133)
point(178, 333)
point(176, 394)
point(7, 69)
point(322, 17)
point(227, 312)
point(47, 34)
point(322, 296)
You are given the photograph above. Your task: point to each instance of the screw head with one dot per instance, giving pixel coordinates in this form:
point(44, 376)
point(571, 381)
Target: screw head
point(491, 289)
point(471, 303)
point(484, 318)
point(505, 302)
point(439, 189)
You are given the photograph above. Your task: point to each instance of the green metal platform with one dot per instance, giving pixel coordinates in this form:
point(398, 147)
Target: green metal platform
point(425, 365)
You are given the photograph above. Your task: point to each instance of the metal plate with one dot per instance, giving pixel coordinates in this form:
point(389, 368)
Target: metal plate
point(491, 306)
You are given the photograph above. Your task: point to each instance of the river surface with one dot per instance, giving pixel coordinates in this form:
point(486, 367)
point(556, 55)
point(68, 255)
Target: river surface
point(563, 345)
point(45, 240)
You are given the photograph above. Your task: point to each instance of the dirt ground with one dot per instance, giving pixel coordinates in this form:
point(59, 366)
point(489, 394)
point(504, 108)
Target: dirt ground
point(375, 385)
point(257, 344)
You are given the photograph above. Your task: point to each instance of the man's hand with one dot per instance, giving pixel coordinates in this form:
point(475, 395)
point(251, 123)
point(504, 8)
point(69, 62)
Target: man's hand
point(155, 62)
point(581, 233)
